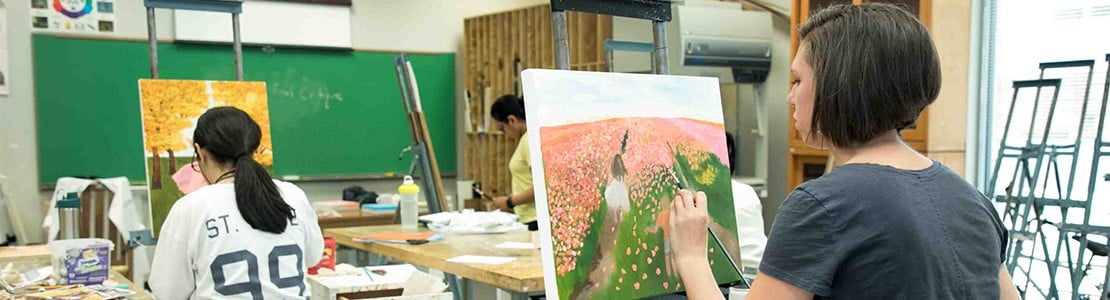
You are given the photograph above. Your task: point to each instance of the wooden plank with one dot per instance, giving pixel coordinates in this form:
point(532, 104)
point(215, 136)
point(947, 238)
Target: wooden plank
point(589, 38)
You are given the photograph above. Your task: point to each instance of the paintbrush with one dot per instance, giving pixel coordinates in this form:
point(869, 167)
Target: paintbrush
point(483, 194)
point(712, 233)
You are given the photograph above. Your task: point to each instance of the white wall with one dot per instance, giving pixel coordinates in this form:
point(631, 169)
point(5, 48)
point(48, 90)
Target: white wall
point(774, 92)
point(419, 26)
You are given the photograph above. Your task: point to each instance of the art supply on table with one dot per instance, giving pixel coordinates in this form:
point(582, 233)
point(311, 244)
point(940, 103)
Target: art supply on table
point(517, 245)
point(380, 207)
point(411, 238)
point(327, 261)
point(81, 261)
point(409, 192)
point(481, 259)
point(69, 214)
point(474, 222)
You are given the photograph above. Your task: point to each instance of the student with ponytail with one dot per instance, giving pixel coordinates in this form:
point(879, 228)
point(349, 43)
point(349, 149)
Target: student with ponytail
point(245, 235)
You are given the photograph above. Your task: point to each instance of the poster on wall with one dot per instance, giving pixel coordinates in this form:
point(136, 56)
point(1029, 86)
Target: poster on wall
point(73, 16)
point(170, 109)
point(4, 75)
point(609, 151)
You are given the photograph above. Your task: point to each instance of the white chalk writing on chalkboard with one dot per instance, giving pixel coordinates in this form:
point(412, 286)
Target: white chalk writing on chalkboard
point(307, 90)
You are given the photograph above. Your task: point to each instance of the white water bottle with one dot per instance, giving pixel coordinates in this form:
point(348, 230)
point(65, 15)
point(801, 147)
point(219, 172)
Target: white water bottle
point(409, 192)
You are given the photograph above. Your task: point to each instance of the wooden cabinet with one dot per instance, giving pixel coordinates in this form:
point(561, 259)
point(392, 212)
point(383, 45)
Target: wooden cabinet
point(804, 162)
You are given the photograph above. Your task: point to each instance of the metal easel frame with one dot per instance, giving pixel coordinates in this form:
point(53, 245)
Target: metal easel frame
point(1100, 151)
point(1053, 152)
point(1015, 200)
point(144, 237)
point(658, 11)
point(1064, 200)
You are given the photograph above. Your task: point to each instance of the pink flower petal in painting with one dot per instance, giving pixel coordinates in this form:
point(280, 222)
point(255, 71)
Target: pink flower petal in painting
point(637, 285)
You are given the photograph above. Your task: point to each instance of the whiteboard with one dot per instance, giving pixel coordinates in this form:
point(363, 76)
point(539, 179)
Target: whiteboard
point(270, 23)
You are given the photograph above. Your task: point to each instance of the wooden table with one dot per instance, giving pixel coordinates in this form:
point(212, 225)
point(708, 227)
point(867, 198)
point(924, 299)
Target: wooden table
point(352, 218)
point(40, 255)
point(520, 277)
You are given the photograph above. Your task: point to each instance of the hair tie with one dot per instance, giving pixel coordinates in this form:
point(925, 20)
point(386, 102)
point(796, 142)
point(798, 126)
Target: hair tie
point(242, 155)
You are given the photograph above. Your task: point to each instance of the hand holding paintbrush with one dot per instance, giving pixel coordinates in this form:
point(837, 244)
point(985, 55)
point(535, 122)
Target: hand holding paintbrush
point(689, 215)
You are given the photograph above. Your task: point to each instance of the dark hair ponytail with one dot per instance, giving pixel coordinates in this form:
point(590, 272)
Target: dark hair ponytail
point(230, 135)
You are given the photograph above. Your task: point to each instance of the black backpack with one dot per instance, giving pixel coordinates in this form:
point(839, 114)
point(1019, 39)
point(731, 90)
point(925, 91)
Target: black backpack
point(360, 195)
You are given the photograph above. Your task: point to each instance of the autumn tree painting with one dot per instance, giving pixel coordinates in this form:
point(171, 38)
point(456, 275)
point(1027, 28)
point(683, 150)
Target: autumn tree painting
point(251, 98)
point(170, 109)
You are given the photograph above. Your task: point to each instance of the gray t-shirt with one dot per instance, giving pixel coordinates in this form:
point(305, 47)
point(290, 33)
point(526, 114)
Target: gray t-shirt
point(875, 232)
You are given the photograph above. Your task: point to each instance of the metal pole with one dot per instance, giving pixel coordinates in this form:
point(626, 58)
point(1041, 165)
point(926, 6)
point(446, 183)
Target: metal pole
point(152, 37)
point(237, 46)
point(660, 30)
point(562, 46)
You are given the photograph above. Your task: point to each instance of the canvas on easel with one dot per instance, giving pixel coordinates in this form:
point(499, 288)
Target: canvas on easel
point(170, 109)
point(609, 152)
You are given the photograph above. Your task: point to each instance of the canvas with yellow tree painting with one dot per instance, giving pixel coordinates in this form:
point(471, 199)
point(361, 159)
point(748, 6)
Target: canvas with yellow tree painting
point(170, 109)
point(609, 151)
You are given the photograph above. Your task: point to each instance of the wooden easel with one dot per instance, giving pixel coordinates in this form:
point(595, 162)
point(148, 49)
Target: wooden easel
point(423, 153)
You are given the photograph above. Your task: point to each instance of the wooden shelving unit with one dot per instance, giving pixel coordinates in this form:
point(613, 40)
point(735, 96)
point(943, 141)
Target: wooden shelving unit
point(493, 44)
point(805, 161)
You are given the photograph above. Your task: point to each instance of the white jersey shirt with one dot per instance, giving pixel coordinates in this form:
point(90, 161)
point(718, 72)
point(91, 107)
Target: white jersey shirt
point(206, 250)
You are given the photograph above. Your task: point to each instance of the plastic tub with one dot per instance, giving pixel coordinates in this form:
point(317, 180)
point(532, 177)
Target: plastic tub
point(81, 261)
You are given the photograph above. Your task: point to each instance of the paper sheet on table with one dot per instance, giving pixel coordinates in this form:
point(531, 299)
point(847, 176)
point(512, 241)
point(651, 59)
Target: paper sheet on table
point(517, 245)
point(479, 259)
point(421, 283)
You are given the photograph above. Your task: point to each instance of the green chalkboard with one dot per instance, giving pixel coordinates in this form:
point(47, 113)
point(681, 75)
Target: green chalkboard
point(332, 113)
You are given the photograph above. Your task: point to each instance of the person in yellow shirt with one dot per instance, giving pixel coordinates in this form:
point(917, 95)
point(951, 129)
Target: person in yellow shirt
point(508, 111)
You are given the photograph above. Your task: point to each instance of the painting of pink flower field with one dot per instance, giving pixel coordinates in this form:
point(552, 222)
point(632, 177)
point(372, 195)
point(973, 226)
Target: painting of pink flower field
point(609, 173)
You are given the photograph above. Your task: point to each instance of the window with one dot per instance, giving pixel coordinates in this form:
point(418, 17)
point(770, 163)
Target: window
point(1020, 36)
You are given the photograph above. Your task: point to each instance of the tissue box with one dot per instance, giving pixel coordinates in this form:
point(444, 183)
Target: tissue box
point(377, 282)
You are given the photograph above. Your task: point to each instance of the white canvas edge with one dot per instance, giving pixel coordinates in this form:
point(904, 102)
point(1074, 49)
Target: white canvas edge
point(543, 215)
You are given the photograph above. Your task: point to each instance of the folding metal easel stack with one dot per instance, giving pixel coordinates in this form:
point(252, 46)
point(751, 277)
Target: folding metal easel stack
point(1028, 208)
point(1075, 91)
point(1078, 267)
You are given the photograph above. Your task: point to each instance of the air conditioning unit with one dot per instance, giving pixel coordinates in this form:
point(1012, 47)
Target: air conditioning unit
point(716, 39)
